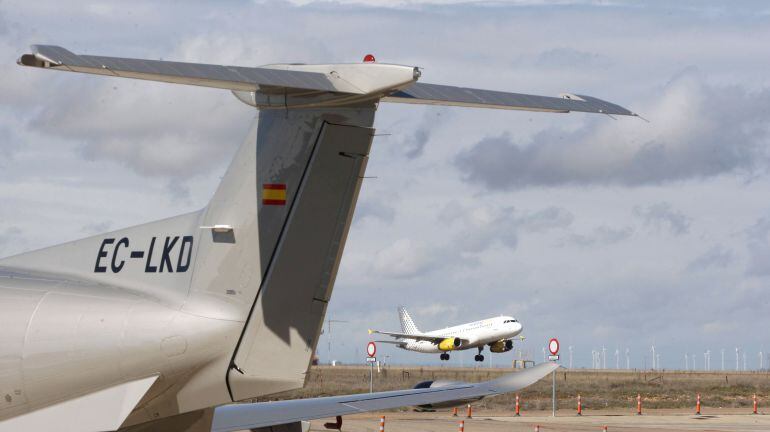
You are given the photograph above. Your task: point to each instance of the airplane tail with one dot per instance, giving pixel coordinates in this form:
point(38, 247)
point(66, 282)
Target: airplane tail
point(407, 324)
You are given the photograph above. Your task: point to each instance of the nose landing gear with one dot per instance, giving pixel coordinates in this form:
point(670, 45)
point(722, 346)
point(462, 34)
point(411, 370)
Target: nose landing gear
point(445, 356)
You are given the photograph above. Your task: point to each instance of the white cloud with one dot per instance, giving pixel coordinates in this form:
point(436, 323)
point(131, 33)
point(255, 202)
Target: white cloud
point(696, 130)
point(404, 258)
point(662, 216)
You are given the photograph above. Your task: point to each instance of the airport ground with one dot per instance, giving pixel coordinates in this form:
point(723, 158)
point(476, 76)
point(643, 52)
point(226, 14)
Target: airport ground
point(497, 421)
point(608, 397)
point(599, 389)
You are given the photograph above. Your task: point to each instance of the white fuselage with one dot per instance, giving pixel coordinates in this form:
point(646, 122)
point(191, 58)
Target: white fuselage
point(477, 333)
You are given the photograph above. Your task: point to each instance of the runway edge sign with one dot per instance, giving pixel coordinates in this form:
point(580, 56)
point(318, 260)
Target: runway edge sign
point(553, 347)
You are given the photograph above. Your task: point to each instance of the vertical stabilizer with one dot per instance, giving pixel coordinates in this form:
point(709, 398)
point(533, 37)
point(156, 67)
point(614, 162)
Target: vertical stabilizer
point(310, 164)
point(407, 324)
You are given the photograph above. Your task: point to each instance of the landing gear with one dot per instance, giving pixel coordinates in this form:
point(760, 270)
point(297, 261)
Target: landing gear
point(445, 356)
point(479, 357)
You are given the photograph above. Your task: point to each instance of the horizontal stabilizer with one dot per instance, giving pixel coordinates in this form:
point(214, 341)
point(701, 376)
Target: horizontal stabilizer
point(206, 75)
point(434, 94)
point(255, 415)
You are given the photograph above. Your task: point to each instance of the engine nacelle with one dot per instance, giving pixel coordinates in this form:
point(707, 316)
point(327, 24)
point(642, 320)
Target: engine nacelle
point(450, 344)
point(447, 404)
point(501, 346)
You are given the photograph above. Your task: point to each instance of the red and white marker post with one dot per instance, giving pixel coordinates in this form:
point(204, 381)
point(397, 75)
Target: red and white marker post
point(518, 407)
point(697, 404)
point(580, 406)
point(639, 404)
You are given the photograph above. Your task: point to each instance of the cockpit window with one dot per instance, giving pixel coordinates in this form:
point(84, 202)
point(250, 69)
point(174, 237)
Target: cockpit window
point(510, 321)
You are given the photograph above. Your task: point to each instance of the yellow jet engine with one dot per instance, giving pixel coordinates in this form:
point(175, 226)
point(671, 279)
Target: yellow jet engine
point(450, 344)
point(501, 346)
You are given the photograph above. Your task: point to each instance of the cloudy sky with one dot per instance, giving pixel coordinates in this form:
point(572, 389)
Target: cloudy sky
point(616, 233)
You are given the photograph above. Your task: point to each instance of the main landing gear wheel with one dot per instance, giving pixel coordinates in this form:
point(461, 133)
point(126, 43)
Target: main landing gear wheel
point(479, 357)
point(445, 356)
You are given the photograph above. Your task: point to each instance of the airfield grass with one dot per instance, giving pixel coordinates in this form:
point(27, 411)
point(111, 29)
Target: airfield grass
point(599, 389)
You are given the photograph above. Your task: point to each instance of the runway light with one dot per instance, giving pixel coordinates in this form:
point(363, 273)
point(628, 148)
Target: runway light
point(369, 58)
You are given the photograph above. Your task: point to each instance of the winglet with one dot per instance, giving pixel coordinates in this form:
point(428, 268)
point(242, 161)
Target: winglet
point(371, 331)
point(518, 380)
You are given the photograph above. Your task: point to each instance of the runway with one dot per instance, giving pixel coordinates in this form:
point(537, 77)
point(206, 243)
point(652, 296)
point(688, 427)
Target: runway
point(655, 420)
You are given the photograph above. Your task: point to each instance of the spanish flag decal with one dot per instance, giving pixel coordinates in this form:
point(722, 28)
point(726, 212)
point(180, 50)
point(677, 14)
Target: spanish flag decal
point(274, 194)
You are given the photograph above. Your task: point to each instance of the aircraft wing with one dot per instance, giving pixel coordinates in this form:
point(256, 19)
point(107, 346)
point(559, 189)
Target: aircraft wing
point(256, 415)
point(414, 336)
point(206, 75)
point(434, 94)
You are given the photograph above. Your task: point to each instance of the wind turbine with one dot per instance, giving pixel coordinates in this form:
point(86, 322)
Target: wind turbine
point(329, 340)
point(737, 360)
point(628, 360)
point(686, 362)
point(617, 358)
point(604, 358)
point(570, 356)
point(653, 357)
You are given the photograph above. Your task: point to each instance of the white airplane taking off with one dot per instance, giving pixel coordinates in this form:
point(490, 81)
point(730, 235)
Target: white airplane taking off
point(497, 333)
point(162, 326)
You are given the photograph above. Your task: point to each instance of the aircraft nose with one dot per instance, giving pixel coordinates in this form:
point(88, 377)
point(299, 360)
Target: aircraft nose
point(518, 327)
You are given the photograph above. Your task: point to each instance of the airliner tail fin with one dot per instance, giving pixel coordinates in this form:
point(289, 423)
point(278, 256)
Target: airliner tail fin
point(407, 324)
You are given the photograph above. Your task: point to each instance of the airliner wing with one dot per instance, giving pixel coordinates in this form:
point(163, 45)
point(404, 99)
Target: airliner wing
point(414, 336)
point(394, 342)
point(256, 415)
point(434, 94)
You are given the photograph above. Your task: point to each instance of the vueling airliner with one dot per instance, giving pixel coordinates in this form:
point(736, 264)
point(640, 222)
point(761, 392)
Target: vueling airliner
point(497, 333)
